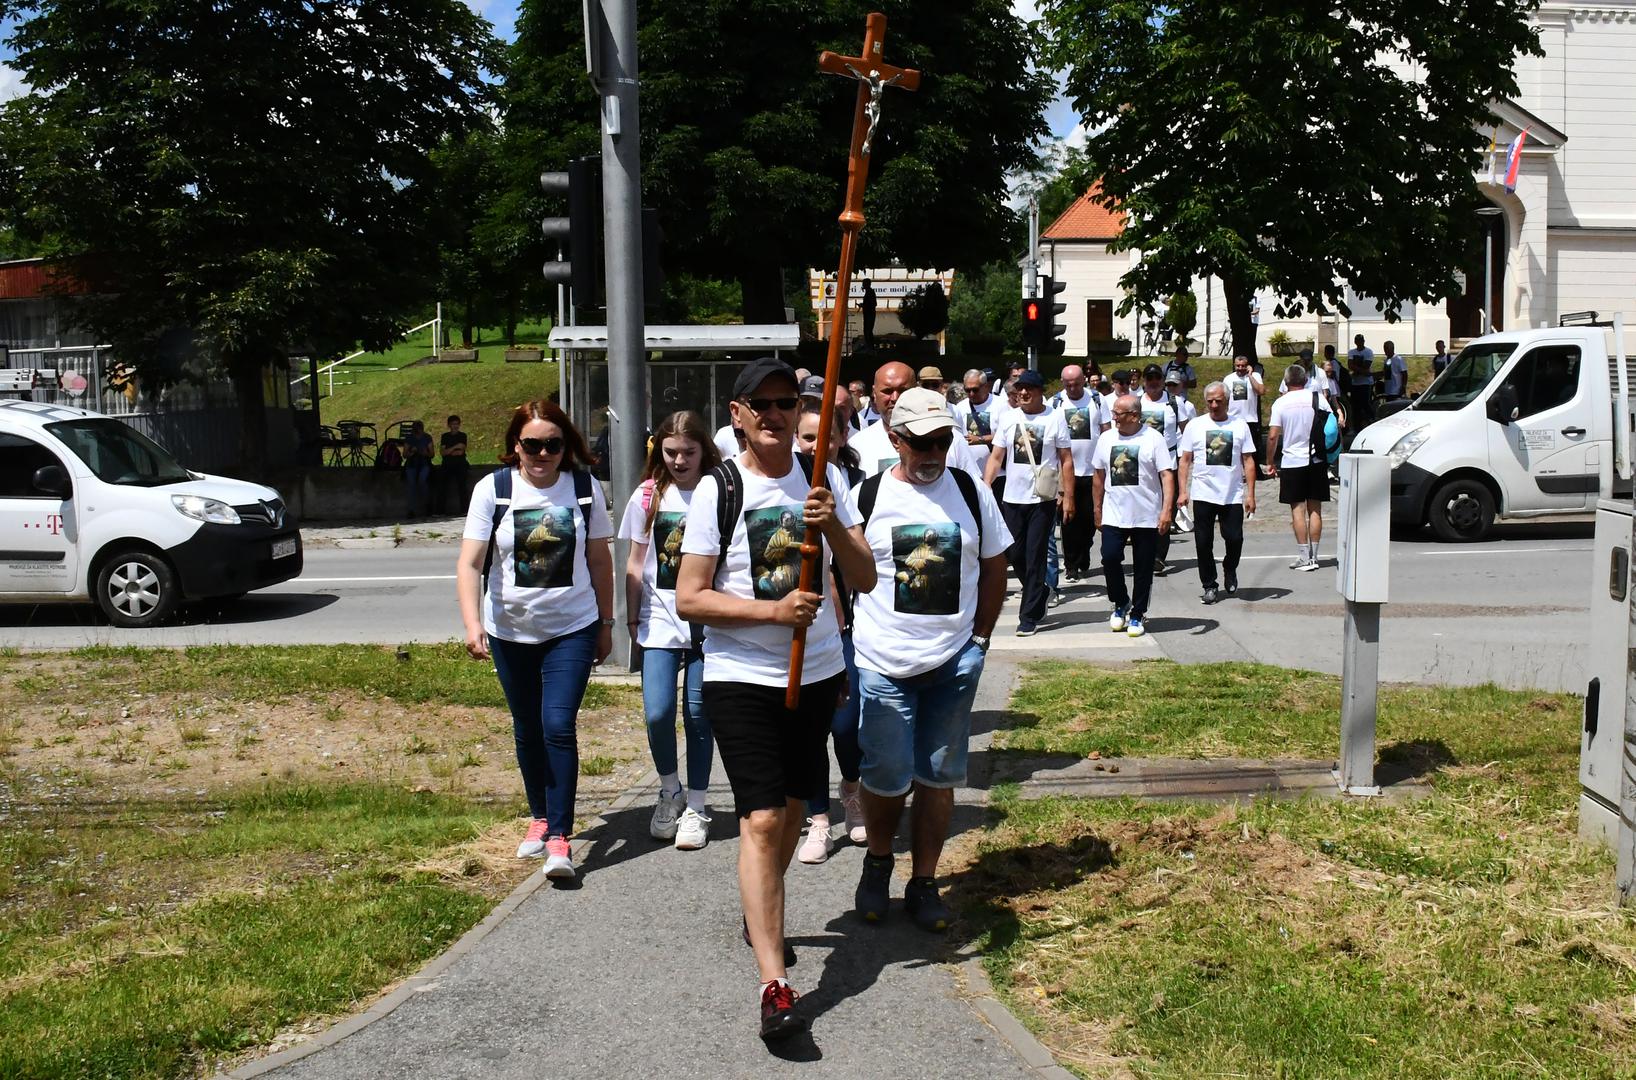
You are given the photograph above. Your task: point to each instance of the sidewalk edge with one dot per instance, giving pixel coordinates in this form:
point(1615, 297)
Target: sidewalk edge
point(979, 994)
point(426, 978)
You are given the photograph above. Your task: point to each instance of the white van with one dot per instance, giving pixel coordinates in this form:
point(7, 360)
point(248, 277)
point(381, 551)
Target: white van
point(1521, 424)
point(92, 509)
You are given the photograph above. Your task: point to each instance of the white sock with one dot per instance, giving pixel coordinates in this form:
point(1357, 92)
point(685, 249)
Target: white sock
point(764, 986)
point(670, 785)
point(695, 800)
point(1302, 551)
point(1312, 551)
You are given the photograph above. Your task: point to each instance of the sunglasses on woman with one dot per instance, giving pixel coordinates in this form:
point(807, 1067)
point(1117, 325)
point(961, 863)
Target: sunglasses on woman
point(923, 444)
point(536, 447)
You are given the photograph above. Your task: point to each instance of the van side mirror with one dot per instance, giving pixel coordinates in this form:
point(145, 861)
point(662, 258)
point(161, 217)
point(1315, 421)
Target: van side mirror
point(53, 480)
point(1503, 404)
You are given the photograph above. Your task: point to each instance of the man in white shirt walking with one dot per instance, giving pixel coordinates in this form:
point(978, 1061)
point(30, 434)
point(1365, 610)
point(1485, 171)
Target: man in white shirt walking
point(1087, 416)
point(1244, 389)
point(1134, 488)
point(873, 444)
point(1297, 420)
point(1216, 475)
point(975, 414)
point(1032, 440)
point(1161, 411)
point(939, 546)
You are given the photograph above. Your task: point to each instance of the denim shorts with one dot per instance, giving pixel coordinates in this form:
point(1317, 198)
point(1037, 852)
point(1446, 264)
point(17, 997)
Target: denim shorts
point(915, 729)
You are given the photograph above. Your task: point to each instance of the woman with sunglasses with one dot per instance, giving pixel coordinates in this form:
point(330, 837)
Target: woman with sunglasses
point(539, 528)
point(654, 523)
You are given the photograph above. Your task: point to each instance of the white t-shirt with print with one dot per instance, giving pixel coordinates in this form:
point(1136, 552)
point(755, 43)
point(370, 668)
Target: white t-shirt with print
point(1397, 375)
point(926, 550)
point(1164, 416)
point(1292, 415)
point(1132, 494)
point(660, 626)
point(985, 415)
point(877, 454)
point(1243, 403)
point(539, 586)
point(1217, 465)
point(1084, 419)
point(764, 563)
point(1049, 436)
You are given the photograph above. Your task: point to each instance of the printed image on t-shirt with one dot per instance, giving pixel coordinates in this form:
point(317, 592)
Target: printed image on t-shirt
point(977, 424)
point(1079, 422)
point(544, 543)
point(1155, 418)
point(926, 559)
point(885, 464)
point(1035, 434)
point(1124, 465)
point(1241, 390)
point(1218, 448)
point(669, 526)
point(775, 534)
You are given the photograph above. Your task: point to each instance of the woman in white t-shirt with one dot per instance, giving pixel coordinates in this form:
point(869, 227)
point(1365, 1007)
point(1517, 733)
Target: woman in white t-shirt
point(655, 522)
point(539, 528)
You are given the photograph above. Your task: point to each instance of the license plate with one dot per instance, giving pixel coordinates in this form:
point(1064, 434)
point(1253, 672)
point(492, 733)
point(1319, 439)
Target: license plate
point(283, 549)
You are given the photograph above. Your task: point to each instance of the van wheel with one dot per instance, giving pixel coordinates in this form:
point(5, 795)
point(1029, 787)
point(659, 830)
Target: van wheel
point(1461, 510)
point(136, 589)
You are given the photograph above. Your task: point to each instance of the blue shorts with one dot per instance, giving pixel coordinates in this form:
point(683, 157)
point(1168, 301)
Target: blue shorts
point(915, 730)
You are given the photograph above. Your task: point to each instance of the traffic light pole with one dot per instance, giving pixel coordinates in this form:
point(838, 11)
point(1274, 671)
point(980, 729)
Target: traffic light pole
point(1031, 269)
point(622, 223)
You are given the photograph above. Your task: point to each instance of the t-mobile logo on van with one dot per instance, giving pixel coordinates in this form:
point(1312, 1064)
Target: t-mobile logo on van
point(54, 523)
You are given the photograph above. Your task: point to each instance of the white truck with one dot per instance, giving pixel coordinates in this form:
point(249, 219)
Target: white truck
point(1521, 424)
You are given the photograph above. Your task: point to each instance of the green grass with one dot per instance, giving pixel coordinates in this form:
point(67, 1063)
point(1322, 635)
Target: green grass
point(481, 394)
point(147, 938)
point(437, 674)
point(1463, 933)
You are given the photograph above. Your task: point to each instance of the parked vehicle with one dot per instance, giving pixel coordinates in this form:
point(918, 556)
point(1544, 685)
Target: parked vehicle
point(1521, 424)
point(92, 509)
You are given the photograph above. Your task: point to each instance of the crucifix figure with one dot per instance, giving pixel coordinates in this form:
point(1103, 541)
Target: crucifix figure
point(873, 77)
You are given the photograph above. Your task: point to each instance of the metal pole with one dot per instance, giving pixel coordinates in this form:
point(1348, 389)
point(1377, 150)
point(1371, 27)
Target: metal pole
point(437, 331)
point(622, 241)
point(1031, 269)
point(1360, 676)
point(1488, 276)
point(561, 321)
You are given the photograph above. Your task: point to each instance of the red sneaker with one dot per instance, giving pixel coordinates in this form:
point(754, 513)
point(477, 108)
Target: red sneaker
point(778, 1019)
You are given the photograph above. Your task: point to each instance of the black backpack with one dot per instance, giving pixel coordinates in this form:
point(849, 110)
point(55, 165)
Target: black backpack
point(962, 480)
point(502, 503)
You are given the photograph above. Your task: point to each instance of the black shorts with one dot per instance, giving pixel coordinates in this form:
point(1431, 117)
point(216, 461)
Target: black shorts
point(1309, 483)
point(770, 753)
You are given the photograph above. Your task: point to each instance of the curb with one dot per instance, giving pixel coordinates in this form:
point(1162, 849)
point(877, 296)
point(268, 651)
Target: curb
point(980, 996)
point(426, 978)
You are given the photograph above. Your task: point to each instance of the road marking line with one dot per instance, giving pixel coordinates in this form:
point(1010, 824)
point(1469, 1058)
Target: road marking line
point(406, 577)
point(1507, 551)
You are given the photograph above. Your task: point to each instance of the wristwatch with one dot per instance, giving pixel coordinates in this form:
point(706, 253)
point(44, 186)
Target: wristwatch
point(607, 622)
point(980, 641)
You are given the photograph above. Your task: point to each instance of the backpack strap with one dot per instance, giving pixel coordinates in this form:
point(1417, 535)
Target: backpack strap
point(1316, 437)
point(647, 495)
point(729, 505)
point(968, 491)
point(502, 503)
point(867, 492)
point(583, 495)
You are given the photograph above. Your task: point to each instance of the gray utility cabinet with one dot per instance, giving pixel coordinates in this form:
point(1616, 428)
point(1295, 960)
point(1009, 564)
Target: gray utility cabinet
point(1602, 735)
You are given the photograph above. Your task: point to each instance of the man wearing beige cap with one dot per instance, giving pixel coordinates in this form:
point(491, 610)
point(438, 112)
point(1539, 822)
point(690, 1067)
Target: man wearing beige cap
point(939, 546)
point(931, 378)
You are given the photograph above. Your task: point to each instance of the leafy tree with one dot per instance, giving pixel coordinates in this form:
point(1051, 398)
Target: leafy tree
point(1275, 142)
point(744, 142)
point(255, 173)
point(925, 310)
point(987, 306)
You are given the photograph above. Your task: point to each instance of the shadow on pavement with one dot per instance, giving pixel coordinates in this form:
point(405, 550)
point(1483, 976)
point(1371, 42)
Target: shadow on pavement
point(623, 835)
point(270, 607)
point(1252, 596)
point(1168, 624)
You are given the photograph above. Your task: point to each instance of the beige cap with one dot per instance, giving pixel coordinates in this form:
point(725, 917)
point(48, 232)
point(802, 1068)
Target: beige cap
point(930, 372)
point(920, 411)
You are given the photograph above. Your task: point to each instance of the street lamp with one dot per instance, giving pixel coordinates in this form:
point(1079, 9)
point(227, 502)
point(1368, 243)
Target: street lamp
point(1486, 212)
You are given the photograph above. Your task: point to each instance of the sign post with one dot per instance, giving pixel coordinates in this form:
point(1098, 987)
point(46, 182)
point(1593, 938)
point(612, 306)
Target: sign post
point(1361, 577)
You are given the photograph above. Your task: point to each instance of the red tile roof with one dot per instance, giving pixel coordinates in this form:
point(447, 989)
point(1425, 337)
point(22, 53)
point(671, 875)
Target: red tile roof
point(1087, 219)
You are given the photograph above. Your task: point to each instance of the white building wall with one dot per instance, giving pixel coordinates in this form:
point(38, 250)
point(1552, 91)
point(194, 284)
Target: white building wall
point(1091, 273)
point(1598, 73)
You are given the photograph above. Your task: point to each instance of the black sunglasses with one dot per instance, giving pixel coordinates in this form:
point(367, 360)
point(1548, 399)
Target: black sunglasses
point(922, 444)
point(767, 404)
point(537, 447)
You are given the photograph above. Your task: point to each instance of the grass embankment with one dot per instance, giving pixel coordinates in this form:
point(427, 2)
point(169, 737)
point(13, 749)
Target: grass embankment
point(1466, 932)
point(202, 851)
point(481, 394)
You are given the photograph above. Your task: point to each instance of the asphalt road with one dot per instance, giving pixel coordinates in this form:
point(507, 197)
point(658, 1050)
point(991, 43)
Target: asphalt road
point(1512, 610)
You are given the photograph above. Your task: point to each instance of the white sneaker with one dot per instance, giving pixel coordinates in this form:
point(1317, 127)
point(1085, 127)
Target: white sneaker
point(1303, 563)
point(1135, 628)
point(665, 812)
point(816, 847)
point(693, 830)
point(855, 829)
point(533, 845)
point(1116, 621)
point(559, 859)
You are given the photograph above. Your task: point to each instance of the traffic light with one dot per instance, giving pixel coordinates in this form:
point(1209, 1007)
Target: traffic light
point(580, 231)
point(1051, 331)
point(1033, 322)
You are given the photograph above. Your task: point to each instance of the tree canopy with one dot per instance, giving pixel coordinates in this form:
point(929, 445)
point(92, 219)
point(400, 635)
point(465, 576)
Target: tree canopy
point(1281, 143)
point(744, 142)
point(257, 173)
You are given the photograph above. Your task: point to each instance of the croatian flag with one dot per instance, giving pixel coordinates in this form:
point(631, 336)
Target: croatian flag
point(1513, 160)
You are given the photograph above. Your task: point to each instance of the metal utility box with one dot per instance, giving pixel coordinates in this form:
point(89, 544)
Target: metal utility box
point(1364, 528)
point(1602, 734)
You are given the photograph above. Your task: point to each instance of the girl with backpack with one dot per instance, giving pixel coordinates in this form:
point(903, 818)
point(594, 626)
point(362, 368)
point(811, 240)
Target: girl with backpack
point(654, 523)
point(537, 539)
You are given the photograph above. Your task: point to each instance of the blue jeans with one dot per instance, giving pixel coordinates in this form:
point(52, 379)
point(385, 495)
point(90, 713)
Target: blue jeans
point(915, 730)
point(843, 728)
point(1144, 546)
point(544, 685)
point(1052, 566)
point(659, 670)
point(417, 488)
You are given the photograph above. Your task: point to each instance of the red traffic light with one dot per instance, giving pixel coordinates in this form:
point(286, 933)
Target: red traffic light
point(1031, 311)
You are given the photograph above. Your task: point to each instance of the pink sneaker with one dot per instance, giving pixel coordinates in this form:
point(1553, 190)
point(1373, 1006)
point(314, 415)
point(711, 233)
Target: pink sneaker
point(533, 845)
point(853, 802)
point(559, 862)
point(815, 848)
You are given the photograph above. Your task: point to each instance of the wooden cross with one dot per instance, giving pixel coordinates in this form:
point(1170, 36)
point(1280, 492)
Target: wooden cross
point(873, 77)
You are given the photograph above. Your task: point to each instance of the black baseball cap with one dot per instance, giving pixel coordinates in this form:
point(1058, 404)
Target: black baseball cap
point(1153, 371)
point(1031, 378)
point(813, 387)
point(758, 371)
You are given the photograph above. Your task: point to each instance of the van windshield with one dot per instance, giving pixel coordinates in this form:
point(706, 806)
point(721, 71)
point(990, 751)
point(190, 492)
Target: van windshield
point(1465, 379)
point(118, 453)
